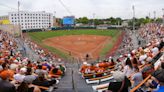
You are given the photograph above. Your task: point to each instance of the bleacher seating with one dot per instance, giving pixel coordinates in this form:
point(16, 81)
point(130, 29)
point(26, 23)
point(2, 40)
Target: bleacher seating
point(149, 49)
point(19, 69)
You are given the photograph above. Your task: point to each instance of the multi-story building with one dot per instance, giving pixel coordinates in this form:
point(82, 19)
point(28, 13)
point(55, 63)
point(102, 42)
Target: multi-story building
point(31, 20)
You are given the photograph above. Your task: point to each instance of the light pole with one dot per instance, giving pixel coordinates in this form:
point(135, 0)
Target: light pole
point(93, 19)
point(154, 15)
point(149, 15)
point(54, 18)
point(19, 19)
point(163, 14)
point(133, 8)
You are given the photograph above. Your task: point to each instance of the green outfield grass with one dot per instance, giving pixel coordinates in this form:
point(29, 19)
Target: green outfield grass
point(38, 37)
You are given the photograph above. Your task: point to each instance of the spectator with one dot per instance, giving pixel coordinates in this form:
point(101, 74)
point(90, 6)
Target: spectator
point(136, 77)
point(154, 50)
point(29, 64)
point(28, 74)
point(42, 81)
point(159, 75)
point(55, 72)
point(121, 83)
point(26, 86)
point(40, 71)
point(5, 85)
point(128, 68)
point(83, 67)
point(135, 62)
point(62, 68)
point(19, 77)
point(111, 63)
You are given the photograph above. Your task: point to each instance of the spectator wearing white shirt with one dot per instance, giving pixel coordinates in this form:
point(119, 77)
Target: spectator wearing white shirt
point(155, 51)
point(128, 68)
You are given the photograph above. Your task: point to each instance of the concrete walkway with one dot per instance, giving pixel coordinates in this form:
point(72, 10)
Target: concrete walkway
point(26, 50)
point(72, 81)
point(134, 40)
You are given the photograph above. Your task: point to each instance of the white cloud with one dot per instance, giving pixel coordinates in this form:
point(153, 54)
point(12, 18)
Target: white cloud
point(79, 8)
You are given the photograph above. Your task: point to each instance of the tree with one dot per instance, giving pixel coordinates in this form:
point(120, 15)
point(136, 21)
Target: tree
point(98, 21)
point(159, 20)
point(83, 20)
point(118, 20)
point(114, 21)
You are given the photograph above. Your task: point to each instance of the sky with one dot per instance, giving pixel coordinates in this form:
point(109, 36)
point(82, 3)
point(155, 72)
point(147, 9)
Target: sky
point(88, 8)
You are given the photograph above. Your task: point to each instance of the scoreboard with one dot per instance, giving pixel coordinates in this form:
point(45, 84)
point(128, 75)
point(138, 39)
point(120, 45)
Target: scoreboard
point(69, 20)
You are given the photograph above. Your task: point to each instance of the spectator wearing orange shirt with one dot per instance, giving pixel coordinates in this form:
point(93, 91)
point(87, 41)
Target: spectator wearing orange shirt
point(99, 69)
point(83, 67)
point(92, 68)
point(29, 64)
point(55, 72)
point(102, 64)
point(6, 69)
point(6, 86)
point(111, 63)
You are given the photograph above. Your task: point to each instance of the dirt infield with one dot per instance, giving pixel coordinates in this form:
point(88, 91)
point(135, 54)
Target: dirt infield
point(79, 45)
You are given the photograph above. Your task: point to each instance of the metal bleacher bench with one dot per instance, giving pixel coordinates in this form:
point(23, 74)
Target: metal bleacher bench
point(99, 79)
point(92, 75)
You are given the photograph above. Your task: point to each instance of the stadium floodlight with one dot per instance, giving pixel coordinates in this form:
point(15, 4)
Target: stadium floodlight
point(154, 15)
point(133, 8)
point(163, 14)
point(54, 13)
point(93, 19)
point(19, 19)
point(149, 15)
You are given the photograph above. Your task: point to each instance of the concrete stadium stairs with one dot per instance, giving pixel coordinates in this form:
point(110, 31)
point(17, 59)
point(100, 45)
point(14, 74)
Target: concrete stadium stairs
point(73, 77)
